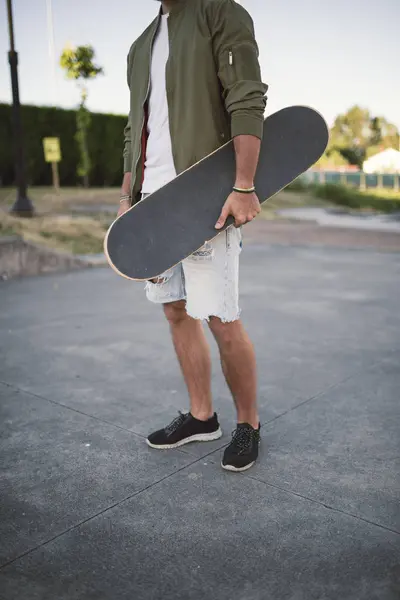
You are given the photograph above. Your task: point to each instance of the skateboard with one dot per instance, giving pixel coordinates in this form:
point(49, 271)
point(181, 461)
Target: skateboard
point(175, 221)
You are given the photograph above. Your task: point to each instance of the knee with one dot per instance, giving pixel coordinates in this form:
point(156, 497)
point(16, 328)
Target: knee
point(225, 333)
point(175, 312)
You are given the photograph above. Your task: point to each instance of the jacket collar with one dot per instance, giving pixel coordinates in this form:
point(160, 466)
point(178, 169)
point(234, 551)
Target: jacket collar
point(179, 4)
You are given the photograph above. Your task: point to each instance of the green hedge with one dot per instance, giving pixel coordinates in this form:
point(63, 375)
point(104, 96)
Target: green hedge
point(347, 196)
point(105, 140)
point(298, 185)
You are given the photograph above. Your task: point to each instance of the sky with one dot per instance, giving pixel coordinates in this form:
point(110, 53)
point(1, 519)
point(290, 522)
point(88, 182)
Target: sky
point(329, 54)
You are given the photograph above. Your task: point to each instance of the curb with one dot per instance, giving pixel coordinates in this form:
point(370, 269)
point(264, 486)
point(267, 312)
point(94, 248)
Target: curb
point(19, 258)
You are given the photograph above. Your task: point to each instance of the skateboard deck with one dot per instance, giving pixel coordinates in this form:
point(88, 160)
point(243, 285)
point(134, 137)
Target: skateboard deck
point(160, 231)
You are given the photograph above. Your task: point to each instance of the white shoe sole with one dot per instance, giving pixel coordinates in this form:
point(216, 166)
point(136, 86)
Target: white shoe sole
point(199, 437)
point(237, 469)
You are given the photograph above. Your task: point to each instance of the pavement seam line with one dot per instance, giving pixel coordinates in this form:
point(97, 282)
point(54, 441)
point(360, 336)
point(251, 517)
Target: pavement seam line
point(310, 399)
point(98, 514)
point(296, 406)
point(327, 506)
point(322, 392)
point(183, 451)
point(80, 412)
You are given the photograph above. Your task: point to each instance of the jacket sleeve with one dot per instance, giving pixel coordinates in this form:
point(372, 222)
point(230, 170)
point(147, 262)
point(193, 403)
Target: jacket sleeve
point(127, 153)
point(236, 56)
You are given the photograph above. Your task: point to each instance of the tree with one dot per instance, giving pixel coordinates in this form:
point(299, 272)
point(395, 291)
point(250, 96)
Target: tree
point(78, 65)
point(354, 132)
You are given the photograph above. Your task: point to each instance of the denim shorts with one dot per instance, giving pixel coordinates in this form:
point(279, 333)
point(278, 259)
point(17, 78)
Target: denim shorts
point(208, 279)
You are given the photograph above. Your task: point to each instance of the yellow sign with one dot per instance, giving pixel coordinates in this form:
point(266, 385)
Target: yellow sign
point(52, 150)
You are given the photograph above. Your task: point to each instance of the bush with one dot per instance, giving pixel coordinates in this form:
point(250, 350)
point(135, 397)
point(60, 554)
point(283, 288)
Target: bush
point(105, 140)
point(298, 185)
point(347, 196)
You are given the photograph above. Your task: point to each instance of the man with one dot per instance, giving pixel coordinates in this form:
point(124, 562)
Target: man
point(195, 83)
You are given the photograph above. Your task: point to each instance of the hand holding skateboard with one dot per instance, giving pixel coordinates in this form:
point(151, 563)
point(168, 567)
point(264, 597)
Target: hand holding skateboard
point(242, 207)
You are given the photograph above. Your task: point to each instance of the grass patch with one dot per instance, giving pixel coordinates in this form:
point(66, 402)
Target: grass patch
point(359, 200)
point(85, 243)
point(55, 224)
point(386, 193)
point(45, 201)
point(298, 185)
point(67, 233)
point(6, 229)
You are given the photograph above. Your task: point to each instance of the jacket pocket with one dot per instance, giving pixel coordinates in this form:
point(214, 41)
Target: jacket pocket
point(240, 63)
point(229, 66)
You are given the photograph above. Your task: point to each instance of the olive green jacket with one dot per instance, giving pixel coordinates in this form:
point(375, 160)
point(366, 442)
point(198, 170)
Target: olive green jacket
point(213, 82)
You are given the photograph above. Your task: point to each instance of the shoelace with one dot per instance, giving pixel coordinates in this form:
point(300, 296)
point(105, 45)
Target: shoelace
point(177, 422)
point(242, 438)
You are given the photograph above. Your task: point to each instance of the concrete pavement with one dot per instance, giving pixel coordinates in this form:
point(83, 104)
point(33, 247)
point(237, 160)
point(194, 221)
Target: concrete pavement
point(89, 512)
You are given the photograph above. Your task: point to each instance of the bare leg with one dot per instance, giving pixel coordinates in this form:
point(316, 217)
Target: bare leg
point(194, 358)
point(239, 367)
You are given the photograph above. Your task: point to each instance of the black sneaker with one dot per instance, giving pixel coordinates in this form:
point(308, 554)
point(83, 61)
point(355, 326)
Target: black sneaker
point(242, 452)
point(185, 429)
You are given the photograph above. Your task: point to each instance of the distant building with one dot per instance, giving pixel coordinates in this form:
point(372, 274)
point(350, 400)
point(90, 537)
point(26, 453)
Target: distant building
point(387, 161)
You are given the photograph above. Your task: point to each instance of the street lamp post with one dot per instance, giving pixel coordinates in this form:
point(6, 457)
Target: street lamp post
point(23, 206)
point(50, 33)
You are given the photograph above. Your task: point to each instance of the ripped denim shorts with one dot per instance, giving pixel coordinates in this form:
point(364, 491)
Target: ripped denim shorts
point(208, 279)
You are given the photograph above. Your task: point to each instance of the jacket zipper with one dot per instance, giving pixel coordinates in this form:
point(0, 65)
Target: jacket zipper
point(230, 57)
point(144, 103)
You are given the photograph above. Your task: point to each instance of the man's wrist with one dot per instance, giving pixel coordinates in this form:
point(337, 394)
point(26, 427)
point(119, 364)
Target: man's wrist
point(126, 184)
point(244, 183)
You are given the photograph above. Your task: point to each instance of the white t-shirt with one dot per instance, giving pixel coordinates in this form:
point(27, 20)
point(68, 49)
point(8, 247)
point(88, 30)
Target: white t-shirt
point(159, 166)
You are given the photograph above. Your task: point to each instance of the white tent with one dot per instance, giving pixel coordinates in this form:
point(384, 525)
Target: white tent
point(387, 161)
